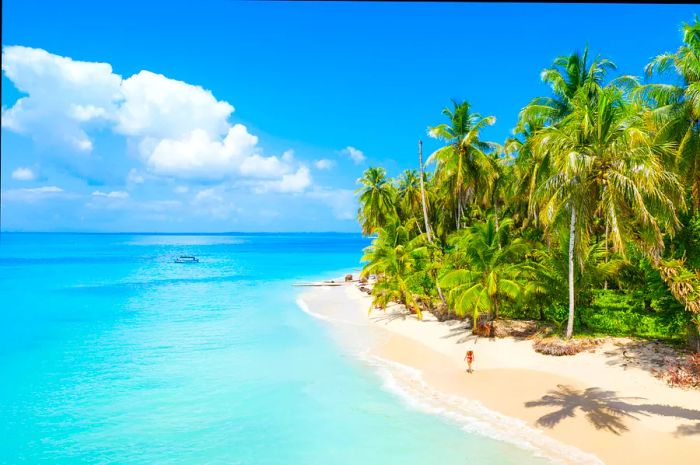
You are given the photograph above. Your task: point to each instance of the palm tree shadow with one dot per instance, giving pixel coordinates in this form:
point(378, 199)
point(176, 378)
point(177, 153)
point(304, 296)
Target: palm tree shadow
point(462, 330)
point(606, 410)
point(391, 315)
point(687, 430)
point(601, 408)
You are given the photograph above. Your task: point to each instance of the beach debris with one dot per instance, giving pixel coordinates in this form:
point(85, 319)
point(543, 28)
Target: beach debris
point(365, 289)
point(516, 328)
point(557, 346)
point(684, 373)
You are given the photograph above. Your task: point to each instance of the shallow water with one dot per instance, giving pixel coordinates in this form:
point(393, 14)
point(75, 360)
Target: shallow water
point(112, 353)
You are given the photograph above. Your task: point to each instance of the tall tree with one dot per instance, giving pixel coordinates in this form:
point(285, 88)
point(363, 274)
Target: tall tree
point(463, 166)
point(487, 269)
point(676, 106)
point(567, 77)
point(394, 259)
point(603, 163)
point(377, 200)
point(409, 198)
point(424, 201)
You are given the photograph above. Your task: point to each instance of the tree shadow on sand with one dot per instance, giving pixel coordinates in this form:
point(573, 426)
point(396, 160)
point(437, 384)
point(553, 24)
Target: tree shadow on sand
point(390, 315)
point(605, 410)
point(646, 355)
point(460, 329)
point(687, 430)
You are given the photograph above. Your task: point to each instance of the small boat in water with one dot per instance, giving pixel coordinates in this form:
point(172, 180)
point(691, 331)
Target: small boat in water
point(186, 259)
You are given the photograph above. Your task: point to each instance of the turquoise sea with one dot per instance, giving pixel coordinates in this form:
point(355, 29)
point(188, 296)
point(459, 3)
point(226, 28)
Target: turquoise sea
point(111, 353)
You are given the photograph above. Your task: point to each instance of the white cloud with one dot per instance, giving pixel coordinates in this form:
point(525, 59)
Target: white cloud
point(257, 166)
point(135, 177)
point(43, 190)
point(182, 189)
point(324, 164)
point(156, 106)
point(102, 202)
point(290, 183)
point(111, 195)
point(181, 130)
point(212, 202)
point(64, 96)
point(288, 156)
point(207, 195)
point(341, 201)
point(23, 174)
point(199, 155)
point(356, 155)
point(32, 194)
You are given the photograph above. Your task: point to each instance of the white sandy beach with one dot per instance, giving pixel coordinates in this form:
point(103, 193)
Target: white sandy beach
point(598, 406)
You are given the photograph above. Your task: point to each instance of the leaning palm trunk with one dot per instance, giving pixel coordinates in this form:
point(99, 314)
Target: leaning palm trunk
point(422, 191)
point(572, 239)
point(439, 291)
point(425, 215)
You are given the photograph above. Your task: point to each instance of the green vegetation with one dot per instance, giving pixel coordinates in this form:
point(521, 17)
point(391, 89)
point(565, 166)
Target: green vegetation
point(588, 218)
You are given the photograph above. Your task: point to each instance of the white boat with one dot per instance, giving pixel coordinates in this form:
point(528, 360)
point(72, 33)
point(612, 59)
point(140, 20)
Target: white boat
point(186, 259)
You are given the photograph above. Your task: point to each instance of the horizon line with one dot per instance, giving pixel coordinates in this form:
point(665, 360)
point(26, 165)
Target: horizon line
point(181, 233)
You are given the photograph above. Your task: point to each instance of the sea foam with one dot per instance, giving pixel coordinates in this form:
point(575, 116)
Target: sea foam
point(472, 416)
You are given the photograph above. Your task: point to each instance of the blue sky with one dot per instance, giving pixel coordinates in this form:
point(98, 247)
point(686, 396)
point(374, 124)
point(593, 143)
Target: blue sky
point(260, 116)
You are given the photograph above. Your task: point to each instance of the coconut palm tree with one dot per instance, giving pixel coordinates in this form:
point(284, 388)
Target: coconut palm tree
point(486, 269)
point(566, 77)
point(463, 166)
point(549, 266)
point(526, 170)
point(377, 200)
point(409, 202)
point(394, 258)
point(676, 107)
point(569, 76)
point(602, 163)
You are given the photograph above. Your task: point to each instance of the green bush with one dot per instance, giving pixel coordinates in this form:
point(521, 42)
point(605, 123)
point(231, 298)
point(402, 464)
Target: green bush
point(616, 313)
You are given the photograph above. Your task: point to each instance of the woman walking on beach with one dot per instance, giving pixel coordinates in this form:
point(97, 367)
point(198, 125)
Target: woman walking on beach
point(469, 357)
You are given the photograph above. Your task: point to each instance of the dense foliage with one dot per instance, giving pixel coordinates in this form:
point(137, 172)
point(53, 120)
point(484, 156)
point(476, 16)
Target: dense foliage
point(587, 218)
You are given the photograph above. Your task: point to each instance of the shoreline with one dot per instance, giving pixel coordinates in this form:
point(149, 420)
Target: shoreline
point(594, 407)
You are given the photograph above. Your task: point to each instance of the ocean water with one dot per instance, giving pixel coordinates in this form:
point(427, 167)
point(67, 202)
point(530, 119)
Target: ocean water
point(110, 353)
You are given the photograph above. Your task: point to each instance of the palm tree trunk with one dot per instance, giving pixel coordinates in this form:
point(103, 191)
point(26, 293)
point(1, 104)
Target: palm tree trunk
point(498, 226)
point(605, 285)
point(572, 239)
point(459, 210)
point(439, 290)
point(495, 208)
point(422, 191)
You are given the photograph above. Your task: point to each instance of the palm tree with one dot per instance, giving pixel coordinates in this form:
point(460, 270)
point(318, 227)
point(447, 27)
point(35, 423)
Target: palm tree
point(463, 165)
point(526, 171)
point(486, 271)
point(409, 201)
point(394, 259)
point(377, 197)
point(602, 163)
point(676, 107)
point(549, 266)
point(567, 76)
